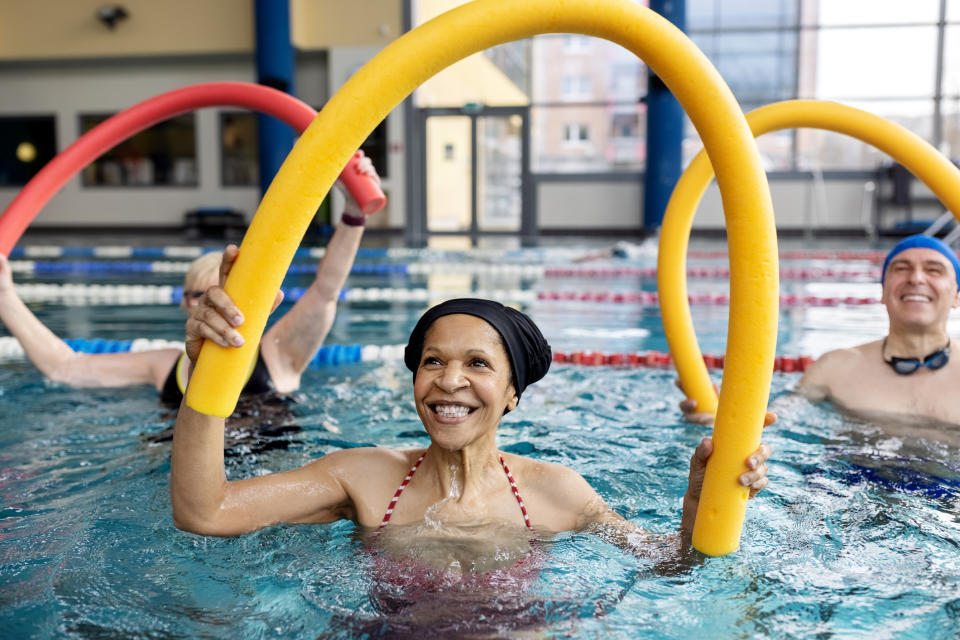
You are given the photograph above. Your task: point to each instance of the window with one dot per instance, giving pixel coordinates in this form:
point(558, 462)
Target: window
point(375, 148)
point(586, 111)
point(576, 133)
point(238, 149)
point(163, 155)
point(876, 55)
point(27, 143)
point(576, 43)
point(577, 88)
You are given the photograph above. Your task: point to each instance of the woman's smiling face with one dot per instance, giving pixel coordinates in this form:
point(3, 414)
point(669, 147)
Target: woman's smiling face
point(463, 382)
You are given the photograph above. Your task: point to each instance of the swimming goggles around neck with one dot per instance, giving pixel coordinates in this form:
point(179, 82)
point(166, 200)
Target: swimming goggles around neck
point(906, 366)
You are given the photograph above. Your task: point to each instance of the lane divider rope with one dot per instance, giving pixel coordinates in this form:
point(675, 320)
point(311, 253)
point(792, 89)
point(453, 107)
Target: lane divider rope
point(428, 268)
point(124, 294)
point(336, 354)
point(533, 254)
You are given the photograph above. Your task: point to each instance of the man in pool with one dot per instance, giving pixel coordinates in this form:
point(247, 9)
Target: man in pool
point(908, 376)
point(285, 351)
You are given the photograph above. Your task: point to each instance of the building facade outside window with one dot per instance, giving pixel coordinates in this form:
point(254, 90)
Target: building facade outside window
point(165, 155)
point(878, 55)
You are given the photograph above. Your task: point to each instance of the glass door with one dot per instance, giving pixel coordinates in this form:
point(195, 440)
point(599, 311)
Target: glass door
point(474, 171)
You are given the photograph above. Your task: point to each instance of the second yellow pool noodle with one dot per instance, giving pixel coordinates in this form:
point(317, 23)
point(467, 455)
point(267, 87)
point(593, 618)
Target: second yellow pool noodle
point(917, 155)
point(909, 149)
point(349, 116)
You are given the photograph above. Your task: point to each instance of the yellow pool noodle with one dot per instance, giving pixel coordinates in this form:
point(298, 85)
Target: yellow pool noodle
point(364, 100)
point(909, 149)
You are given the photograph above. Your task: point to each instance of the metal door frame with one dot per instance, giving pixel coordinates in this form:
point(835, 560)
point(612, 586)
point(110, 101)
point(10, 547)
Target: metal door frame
point(418, 231)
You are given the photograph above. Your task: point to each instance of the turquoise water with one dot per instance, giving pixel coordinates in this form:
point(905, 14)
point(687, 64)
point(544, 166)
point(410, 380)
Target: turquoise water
point(857, 536)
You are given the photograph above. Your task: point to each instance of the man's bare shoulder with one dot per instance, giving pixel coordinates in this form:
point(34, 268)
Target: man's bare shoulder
point(837, 365)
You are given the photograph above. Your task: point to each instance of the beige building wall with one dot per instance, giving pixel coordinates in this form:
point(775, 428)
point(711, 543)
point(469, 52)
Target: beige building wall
point(324, 24)
point(59, 29)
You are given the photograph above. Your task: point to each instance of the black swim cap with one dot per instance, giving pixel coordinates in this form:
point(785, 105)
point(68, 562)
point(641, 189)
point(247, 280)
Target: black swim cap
point(527, 349)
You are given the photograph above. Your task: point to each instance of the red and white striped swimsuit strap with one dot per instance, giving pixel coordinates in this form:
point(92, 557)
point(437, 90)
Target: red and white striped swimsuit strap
point(409, 476)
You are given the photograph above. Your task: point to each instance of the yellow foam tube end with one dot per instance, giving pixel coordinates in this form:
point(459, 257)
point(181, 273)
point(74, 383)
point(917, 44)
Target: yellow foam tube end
point(326, 146)
point(921, 158)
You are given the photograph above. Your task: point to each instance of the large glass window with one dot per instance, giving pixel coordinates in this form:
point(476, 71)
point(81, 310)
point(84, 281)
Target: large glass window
point(876, 55)
point(739, 14)
point(165, 155)
point(586, 111)
point(876, 63)
point(27, 143)
point(588, 138)
point(882, 56)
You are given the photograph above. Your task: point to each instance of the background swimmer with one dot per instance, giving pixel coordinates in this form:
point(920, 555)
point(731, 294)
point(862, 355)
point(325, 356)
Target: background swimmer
point(285, 351)
point(907, 377)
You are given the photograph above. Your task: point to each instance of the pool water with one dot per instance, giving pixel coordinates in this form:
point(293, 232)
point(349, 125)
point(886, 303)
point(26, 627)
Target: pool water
point(858, 534)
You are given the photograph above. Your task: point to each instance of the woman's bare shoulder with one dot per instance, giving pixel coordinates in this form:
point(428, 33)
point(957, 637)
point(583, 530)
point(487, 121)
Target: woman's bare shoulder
point(551, 478)
point(367, 459)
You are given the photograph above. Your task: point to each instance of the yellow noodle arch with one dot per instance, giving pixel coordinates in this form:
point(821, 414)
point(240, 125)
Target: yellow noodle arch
point(373, 91)
point(916, 154)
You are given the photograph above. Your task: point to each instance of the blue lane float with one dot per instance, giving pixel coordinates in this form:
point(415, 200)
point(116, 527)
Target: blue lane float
point(99, 345)
point(142, 266)
point(47, 251)
point(328, 355)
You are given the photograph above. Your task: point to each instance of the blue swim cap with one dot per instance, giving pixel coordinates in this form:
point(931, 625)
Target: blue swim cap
point(923, 242)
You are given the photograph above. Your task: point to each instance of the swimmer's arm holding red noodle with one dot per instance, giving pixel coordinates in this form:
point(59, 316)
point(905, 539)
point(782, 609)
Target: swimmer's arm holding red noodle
point(289, 345)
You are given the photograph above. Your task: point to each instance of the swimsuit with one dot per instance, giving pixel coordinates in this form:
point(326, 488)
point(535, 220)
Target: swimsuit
point(407, 592)
point(258, 382)
point(406, 481)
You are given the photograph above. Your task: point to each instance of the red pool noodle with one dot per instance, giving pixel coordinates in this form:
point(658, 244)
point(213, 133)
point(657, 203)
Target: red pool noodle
point(36, 193)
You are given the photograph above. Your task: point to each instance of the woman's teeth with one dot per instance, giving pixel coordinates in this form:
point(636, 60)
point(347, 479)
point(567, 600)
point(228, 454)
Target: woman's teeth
point(451, 410)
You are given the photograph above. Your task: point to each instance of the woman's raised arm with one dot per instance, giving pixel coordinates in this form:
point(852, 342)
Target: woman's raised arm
point(203, 500)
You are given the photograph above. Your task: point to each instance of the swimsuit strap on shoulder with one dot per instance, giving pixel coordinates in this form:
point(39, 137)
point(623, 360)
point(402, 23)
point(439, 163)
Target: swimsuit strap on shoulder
point(396, 496)
point(516, 493)
point(409, 476)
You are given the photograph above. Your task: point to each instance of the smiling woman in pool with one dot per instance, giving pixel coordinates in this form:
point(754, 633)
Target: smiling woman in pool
point(471, 360)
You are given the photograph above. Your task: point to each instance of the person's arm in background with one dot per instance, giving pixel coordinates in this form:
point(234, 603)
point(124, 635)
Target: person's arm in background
point(58, 362)
point(289, 345)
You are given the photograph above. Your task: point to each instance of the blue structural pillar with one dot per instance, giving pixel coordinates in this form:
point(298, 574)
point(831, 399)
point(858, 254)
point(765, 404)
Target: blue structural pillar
point(664, 132)
point(275, 66)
